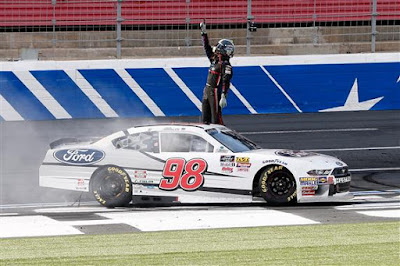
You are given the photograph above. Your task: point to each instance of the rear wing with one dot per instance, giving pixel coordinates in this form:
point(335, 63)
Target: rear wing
point(68, 141)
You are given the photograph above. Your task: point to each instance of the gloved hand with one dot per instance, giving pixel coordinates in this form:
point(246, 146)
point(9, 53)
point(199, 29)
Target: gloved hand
point(223, 102)
point(203, 27)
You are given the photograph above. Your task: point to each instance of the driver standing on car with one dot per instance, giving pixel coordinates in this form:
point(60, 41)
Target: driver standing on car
point(218, 79)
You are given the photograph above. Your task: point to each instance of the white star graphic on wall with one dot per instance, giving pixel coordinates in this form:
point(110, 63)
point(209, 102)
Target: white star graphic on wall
point(398, 79)
point(352, 103)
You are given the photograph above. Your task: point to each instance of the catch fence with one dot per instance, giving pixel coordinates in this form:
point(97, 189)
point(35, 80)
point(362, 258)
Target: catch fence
point(86, 29)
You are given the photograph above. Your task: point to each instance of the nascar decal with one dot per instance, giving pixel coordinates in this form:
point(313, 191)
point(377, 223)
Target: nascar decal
point(186, 175)
point(79, 156)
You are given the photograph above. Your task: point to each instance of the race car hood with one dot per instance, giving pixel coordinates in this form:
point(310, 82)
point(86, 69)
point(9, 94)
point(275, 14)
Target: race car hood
point(66, 142)
point(312, 158)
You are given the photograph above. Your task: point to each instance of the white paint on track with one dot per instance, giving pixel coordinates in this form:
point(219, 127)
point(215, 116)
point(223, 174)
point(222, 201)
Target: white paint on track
point(308, 131)
point(358, 149)
point(383, 213)
point(370, 206)
point(28, 226)
point(376, 169)
point(205, 219)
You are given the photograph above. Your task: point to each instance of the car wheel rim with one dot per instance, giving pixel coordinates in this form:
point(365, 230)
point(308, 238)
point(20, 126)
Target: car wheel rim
point(280, 184)
point(111, 187)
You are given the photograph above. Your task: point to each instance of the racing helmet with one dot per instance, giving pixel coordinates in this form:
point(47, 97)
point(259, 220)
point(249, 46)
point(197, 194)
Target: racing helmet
point(225, 47)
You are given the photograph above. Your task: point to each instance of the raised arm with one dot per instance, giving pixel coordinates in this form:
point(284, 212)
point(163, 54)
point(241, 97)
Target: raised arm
point(206, 43)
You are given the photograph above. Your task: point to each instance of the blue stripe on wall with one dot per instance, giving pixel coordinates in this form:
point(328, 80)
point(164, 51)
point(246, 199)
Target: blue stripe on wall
point(164, 91)
point(260, 91)
point(195, 78)
point(318, 87)
point(67, 93)
point(116, 92)
point(21, 98)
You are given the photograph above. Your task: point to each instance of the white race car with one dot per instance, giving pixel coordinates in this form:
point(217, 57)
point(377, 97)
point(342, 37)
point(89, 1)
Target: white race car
point(191, 163)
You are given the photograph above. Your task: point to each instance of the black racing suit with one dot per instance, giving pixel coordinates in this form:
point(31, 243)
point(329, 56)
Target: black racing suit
point(218, 81)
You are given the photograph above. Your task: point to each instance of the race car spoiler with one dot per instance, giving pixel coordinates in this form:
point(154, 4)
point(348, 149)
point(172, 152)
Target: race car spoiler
point(66, 141)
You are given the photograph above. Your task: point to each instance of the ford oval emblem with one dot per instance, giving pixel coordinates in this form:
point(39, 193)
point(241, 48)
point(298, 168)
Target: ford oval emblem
point(79, 156)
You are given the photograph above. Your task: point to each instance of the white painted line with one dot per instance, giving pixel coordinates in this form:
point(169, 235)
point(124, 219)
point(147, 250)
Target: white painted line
point(143, 96)
point(308, 131)
point(202, 219)
point(44, 205)
point(183, 87)
point(376, 169)
point(8, 112)
point(242, 99)
point(98, 208)
point(384, 213)
point(9, 214)
point(370, 206)
point(90, 222)
point(91, 93)
point(375, 192)
point(28, 226)
point(358, 149)
point(368, 197)
point(42, 94)
point(281, 89)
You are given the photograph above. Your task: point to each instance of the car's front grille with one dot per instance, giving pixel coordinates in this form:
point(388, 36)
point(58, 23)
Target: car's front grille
point(340, 173)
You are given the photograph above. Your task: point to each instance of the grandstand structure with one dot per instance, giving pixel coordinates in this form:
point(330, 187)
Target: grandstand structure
point(76, 29)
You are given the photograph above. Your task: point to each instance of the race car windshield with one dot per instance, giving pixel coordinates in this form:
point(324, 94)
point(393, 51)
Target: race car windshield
point(233, 141)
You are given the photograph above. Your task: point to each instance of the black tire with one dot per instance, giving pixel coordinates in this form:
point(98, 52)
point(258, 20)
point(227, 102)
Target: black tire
point(111, 187)
point(277, 185)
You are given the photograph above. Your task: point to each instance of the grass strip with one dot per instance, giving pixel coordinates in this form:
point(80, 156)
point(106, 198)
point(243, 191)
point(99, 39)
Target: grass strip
point(346, 244)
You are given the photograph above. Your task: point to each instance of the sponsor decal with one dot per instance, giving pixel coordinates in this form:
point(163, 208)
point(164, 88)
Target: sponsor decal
point(325, 180)
point(227, 170)
point(80, 185)
point(291, 153)
point(308, 181)
point(274, 161)
point(309, 188)
point(227, 160)
point(243, 160)
point(308, 192)
point(79, 156)
point(243, 169)
point(243, 165)
point(140, 174)
point(343, 179)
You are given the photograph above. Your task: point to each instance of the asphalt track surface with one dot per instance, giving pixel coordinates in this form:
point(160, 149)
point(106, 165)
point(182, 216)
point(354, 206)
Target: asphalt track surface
point(368, 141)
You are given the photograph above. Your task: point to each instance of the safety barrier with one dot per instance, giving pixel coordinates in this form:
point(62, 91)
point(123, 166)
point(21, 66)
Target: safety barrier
point(35, 90)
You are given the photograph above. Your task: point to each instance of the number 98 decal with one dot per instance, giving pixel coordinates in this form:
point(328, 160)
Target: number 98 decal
point(186, 175)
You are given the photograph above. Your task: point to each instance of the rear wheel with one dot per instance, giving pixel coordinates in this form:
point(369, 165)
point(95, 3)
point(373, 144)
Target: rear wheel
point(112, 187)
point(277, 185)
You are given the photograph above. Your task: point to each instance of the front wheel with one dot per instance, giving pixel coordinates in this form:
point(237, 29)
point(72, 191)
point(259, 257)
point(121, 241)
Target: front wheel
point(277, 185)
point(112, 187)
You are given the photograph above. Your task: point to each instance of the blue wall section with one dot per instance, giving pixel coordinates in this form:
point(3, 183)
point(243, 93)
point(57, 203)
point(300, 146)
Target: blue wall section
point(195, 78)
point(116, 92)
point(21, 98)
point(67, 93)
point(164, 91)
point(311, 87)
point(318, 87)
point(260, 91)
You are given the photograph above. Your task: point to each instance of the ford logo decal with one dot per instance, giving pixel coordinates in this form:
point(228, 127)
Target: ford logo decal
point(79, 156)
